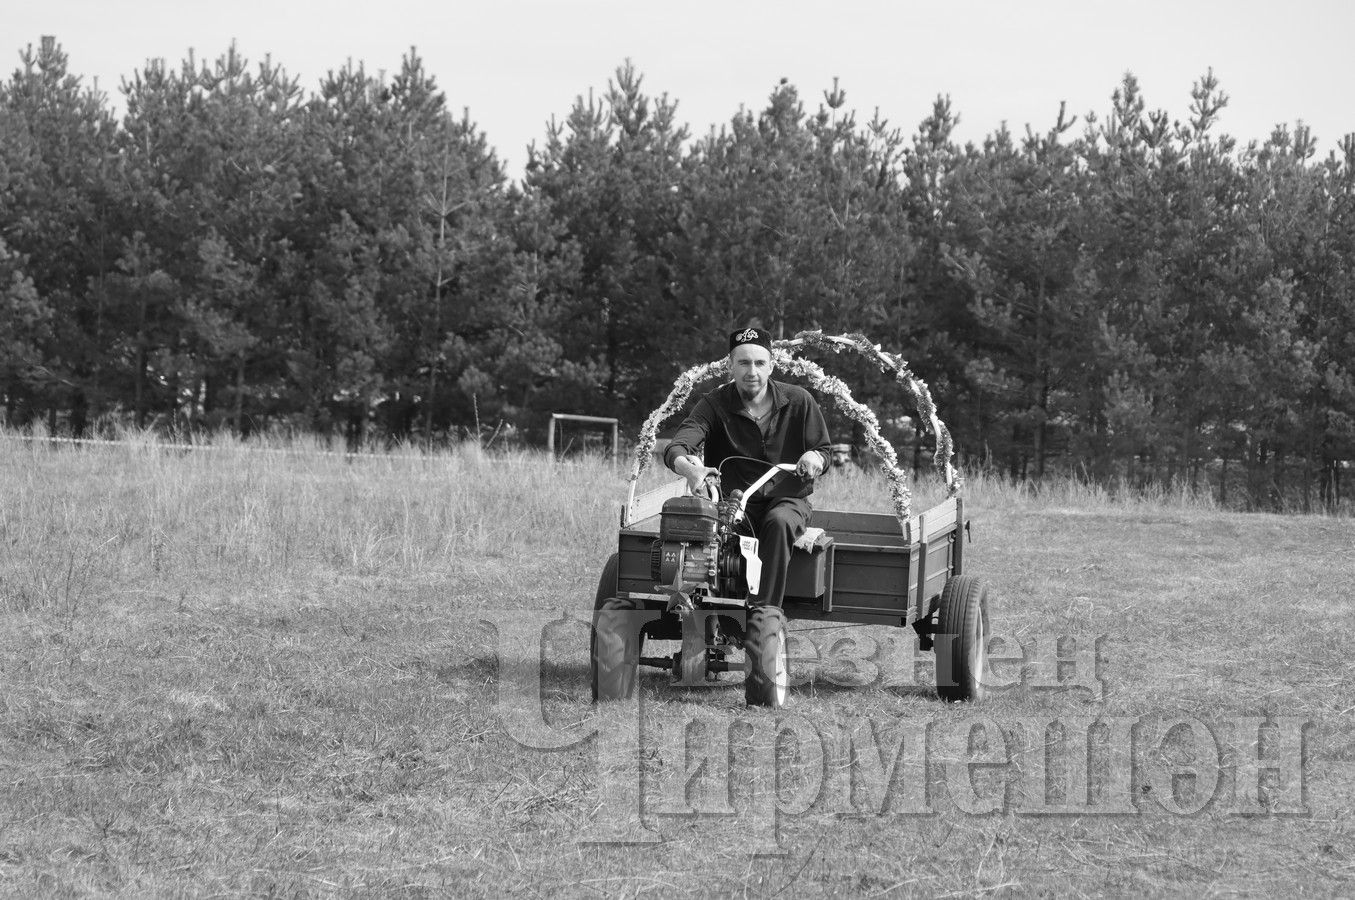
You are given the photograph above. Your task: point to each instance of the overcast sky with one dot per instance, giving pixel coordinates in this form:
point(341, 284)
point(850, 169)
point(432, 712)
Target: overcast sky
point(515, 63)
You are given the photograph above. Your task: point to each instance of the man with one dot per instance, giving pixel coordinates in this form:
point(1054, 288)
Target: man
point(768, 423)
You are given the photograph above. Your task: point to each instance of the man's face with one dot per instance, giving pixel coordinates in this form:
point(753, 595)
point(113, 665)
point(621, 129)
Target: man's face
point(751, 365)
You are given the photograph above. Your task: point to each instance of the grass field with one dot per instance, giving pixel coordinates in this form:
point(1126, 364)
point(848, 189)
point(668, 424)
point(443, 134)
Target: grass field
point(228, 673)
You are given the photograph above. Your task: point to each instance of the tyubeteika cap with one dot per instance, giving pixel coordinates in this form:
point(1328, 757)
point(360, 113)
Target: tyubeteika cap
point(750, 336)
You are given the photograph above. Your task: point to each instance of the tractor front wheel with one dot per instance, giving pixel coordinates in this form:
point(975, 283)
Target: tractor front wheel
point(766, 663)
point(608, 582)
point(615, 649)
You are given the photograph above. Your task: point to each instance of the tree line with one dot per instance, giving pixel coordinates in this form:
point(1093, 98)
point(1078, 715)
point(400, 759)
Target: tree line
point(1127, 298)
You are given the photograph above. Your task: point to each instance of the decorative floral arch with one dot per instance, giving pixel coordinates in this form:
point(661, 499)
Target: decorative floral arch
point(819, 380)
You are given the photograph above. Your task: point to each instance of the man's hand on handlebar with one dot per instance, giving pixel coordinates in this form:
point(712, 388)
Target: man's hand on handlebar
point(810, 465)
point(696, 473)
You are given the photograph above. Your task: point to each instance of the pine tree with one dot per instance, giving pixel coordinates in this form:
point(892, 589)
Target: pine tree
point(56, 147)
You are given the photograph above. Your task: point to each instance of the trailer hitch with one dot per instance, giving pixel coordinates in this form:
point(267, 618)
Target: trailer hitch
point(925, 626)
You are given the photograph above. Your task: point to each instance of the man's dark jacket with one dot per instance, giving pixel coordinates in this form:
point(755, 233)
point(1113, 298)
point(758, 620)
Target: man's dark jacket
point(720, 423)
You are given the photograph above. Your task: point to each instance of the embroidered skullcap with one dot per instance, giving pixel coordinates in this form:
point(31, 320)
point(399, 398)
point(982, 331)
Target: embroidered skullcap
point(750, 336)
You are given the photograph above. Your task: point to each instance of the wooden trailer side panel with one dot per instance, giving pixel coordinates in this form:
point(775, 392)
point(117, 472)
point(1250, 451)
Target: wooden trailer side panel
point(870, 565)
point(932, 578)
point(876, 529)
point(877, 571)
point(868, 579)
point(635, 545)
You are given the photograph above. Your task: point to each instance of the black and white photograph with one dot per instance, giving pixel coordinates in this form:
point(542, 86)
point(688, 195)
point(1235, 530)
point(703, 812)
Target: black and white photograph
point(620, 449)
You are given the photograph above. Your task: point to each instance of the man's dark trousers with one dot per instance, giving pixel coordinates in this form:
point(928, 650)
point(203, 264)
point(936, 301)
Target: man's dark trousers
point(779, 523)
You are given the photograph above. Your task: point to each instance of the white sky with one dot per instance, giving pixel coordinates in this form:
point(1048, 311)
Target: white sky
point(515, 63)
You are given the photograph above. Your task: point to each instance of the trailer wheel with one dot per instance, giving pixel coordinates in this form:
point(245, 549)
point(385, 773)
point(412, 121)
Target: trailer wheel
point(962, 639)
point(766, 662)
point(614, 660)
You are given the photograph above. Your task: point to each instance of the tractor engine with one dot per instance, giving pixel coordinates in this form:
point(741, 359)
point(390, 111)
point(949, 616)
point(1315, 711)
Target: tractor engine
point(697, 546)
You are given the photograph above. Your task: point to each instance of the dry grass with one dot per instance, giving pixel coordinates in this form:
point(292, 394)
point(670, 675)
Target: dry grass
point(236, 673)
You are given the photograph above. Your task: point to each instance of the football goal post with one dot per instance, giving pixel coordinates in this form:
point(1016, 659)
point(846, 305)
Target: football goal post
point(593, 428)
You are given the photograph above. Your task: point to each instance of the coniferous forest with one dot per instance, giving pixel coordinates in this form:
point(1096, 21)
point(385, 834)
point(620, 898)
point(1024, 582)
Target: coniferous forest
point(1122, 297)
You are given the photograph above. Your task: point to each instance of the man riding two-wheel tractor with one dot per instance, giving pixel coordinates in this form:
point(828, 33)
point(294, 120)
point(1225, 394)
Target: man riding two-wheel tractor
point(688, 568)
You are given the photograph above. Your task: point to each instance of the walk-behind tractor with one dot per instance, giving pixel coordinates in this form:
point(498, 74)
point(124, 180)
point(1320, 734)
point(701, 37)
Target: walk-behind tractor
point(685, 564)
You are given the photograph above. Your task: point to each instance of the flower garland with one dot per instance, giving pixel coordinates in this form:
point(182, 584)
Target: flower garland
point(894, 364)
point(677, 398)
point(842, 397)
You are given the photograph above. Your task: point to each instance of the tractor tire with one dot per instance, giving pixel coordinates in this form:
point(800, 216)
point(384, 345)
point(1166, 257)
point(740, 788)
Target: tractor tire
point(766, 664)
point(607, 583)
point(962, 639)
point(614, 657)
